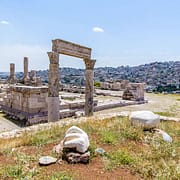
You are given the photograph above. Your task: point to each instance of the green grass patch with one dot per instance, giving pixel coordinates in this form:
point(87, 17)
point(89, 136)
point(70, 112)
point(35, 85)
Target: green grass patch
point(165, 113)
point(45, 136)
point(109, 137)
point(18, 171)
point(61, 176)
point(118, 158)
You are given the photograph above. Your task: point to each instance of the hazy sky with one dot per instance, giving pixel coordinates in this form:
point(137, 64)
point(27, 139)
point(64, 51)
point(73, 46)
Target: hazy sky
point(120, 32)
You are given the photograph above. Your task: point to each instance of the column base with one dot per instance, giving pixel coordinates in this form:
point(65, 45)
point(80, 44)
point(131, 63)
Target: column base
point(53, 109)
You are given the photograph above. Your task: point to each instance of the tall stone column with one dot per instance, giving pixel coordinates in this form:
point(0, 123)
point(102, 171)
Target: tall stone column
point(12, 70)
point(26, 77)
point(89, 104)
point(53, 89)
point(12, 78)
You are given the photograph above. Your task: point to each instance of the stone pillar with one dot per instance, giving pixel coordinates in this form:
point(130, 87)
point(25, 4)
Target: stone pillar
point(89, 104)
point(53, 87)
point(25, 69)
point(12, 78)
point(12, 70)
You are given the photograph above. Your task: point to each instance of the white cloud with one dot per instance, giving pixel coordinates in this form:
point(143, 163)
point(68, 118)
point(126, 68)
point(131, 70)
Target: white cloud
point(4, 22)
point(98, 29)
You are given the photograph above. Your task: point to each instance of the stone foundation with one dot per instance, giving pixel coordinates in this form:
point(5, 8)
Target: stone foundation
point(26, 103)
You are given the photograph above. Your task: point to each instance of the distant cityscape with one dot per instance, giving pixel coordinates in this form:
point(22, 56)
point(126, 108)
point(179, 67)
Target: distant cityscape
point(158, 76)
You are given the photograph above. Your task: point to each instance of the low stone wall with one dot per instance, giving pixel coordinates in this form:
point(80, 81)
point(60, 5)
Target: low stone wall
point(75, 105)
point(119, 104)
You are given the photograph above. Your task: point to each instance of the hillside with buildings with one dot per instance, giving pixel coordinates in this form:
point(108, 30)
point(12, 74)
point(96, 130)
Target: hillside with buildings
point(161, 76)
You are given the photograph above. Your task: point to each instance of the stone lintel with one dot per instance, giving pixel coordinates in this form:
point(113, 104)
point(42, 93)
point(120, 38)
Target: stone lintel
point(71, 49)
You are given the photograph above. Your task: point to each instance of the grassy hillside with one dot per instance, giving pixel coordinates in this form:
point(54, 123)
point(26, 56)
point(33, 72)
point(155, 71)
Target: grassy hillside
point(130, 153)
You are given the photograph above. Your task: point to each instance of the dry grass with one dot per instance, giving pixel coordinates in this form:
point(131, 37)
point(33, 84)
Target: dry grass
point(143, 153)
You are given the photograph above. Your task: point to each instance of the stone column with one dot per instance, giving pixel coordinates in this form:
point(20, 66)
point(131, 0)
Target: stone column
point(12, 70)
point(25, 69)
point(89, 104)
point(12, 78)
point(53, 87)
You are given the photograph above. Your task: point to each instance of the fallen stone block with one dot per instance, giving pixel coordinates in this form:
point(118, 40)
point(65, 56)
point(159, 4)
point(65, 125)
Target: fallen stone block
point(76, 138)
point(145, 119)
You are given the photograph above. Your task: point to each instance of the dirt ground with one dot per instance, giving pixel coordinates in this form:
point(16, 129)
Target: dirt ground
point(92, 171)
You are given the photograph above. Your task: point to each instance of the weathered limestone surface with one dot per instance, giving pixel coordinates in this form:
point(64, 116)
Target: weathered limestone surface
point(53, 89)
point(25, 77)
point(26, 103)
point(35, 81)
point(145, 119)
point(76, 50)
point(134, 91)
point(71, 49)
point(53, 109)
point(77, 139)
point(12, 78)
point(74, 146)
point(89, 105)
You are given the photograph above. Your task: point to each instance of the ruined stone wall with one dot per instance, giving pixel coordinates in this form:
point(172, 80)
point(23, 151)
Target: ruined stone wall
point(26, 103)
point(134, 91)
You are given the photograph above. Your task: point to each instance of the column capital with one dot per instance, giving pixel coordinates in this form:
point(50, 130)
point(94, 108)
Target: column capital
point(53, 57)
point(89, 63)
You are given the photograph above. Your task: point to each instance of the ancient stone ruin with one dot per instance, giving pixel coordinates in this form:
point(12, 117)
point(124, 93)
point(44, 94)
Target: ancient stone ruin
point(68, 48)
point(26, 103)
point(134, 91)
point(12, 78)
point(30, 80)
point(32, 103)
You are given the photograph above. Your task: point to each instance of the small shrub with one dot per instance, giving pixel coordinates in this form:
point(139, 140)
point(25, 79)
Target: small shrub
point(97, 84)
point(109, 137)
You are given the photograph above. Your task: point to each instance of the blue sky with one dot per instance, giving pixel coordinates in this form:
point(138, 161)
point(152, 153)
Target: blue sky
point(120, 32)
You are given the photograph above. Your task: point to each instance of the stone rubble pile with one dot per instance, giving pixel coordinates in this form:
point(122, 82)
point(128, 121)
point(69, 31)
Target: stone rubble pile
point(74, 147)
